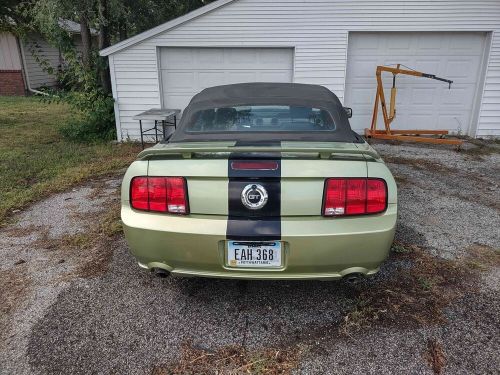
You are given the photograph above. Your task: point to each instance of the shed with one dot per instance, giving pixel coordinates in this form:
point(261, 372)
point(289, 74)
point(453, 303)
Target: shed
point(335, 43)
point(31, 63)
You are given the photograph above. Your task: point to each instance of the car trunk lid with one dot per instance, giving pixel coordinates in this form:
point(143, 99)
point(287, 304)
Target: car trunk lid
point(291, 173)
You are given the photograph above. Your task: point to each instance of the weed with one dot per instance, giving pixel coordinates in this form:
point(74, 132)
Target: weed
point(363, 315)
point(398, 247)
point(425, 283)
point(435, 356)
point(14, 284)
point(111, 224)
point(78, 240)
point(231, 360)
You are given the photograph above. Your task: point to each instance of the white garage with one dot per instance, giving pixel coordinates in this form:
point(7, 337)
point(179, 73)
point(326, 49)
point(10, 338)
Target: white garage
point(337, 44)
point(421, 103)
point(186, 71)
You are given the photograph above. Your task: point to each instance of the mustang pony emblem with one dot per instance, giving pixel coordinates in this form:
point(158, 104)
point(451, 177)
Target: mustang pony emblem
point(254, 196)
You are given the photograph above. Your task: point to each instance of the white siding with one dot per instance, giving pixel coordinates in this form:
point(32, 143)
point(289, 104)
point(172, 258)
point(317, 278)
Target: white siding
point(34, 47)
point(9, 53)
point(318, 30)
point(489, 114)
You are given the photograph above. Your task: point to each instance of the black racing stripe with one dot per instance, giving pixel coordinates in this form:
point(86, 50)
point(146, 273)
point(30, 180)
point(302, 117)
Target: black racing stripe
point(262, 229)
point(257, 225)
point(271, 209)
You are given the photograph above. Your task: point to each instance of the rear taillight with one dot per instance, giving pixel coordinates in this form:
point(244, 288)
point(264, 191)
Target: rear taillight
point(176, 195)
point(159, 194)
point(354, 196)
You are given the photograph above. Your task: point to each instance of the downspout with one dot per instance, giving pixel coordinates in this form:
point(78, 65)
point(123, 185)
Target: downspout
point(25, 71)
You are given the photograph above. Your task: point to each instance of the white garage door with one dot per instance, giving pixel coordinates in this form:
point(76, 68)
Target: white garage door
point(421, 103)
point(187, 71)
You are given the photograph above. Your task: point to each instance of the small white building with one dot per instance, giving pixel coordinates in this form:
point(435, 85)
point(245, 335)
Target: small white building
point(335, 43)
point(32, 63)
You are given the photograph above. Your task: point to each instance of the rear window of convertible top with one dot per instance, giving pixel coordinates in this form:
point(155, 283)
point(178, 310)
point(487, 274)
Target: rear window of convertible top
point(261, 118)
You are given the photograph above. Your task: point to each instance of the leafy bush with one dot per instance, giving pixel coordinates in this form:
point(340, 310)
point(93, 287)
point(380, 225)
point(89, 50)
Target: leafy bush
point(82, 91)
point(95, 124)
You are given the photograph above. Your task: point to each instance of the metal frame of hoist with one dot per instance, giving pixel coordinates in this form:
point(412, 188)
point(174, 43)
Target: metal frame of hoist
point(402, 135)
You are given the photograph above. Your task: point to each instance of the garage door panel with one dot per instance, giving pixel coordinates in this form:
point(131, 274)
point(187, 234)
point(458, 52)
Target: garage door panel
point(417, 121)
point(211, 58)
point(429, 45)
point(274, 76)
point(466, 44)
point(241, 58)
point(240, 76)
point(423, 96)
point(363, 69)
point(186, 71)
point(428, 65)
point(183, 57)
point(361, 96)
point(178, 100)
point(275, 58)
point(369, 42)
point(421, 102)
point(459, 95)
point(179, 80)
point(462, 70)
point(209, 79)
point(397, 45)
point(453, 121)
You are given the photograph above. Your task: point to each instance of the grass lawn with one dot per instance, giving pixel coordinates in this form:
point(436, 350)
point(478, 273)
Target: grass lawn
point(35, 160)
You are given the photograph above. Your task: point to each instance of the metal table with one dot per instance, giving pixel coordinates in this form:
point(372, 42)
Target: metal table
point(167, 117)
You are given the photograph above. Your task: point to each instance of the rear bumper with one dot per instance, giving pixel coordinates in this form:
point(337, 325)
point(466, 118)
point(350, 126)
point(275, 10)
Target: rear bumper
point(314, 247)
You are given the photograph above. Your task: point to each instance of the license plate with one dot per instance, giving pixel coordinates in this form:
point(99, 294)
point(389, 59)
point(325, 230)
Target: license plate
point(254, 254)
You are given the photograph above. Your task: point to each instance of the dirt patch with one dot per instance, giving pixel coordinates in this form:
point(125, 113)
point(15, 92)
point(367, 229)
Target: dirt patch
point(421, 287)
point(45, 241)
point(22, 231)
point(482, 257)
point(435, 356)
point(93, 248)
point(482, 147)
point(401, 180)
point(90, 249)
point(14, 284)
point(231, 360)
point(98, 242)
point(418, 163)
point(451, 179)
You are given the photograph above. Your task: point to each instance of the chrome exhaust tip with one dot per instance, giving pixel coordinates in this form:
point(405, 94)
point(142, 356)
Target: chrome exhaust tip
point(353, 278)
point(160, 272)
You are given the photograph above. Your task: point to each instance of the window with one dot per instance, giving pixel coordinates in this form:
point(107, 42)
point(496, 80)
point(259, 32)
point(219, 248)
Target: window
point(261, 118)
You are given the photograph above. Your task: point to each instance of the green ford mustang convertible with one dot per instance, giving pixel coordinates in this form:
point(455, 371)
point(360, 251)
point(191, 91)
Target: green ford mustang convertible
point(261, 181)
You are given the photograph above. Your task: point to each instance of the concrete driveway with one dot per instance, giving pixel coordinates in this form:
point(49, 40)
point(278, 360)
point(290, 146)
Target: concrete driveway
point(73, 300)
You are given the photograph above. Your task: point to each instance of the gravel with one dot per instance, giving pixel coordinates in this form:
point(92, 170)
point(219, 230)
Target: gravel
point(41, 270)
point(450, 198)
point(128, 321)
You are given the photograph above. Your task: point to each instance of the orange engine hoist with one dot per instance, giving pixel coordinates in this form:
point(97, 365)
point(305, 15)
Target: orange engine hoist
point(389, 116)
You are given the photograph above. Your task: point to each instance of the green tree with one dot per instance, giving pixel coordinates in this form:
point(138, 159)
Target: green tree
point(85, 75)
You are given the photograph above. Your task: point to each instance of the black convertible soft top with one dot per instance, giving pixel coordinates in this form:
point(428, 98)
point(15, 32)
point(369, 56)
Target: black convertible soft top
point(263, 93)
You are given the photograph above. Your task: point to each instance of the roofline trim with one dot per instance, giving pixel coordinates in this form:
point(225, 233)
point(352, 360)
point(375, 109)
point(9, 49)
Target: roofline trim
point(163, 27)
